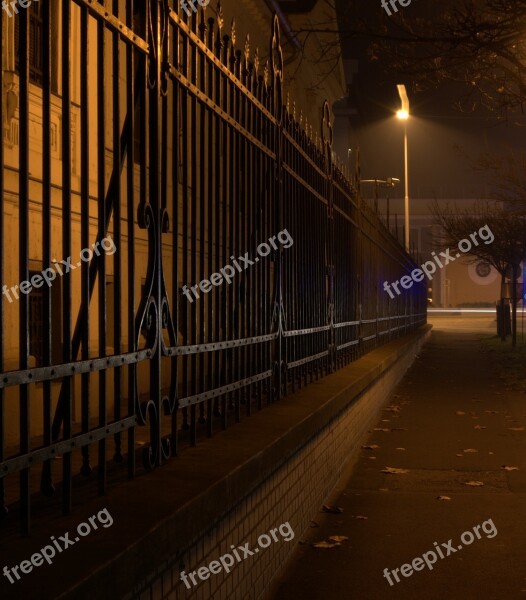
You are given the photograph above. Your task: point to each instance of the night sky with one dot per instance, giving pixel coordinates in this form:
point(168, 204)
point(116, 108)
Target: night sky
point(444, 143)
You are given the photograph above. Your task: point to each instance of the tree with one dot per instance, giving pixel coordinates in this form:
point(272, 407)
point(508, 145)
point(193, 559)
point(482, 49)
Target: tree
point(506, 175)
point(506, 251)
point(480, 43)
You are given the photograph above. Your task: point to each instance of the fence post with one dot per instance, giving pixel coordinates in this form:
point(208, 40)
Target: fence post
point(276, 70)
point(327, 139)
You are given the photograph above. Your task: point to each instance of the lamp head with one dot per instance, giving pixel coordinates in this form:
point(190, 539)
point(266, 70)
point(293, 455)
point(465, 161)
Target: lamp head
point(403, 113)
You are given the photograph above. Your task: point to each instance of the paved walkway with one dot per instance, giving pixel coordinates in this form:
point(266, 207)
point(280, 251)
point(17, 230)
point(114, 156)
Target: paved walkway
point(451, 401)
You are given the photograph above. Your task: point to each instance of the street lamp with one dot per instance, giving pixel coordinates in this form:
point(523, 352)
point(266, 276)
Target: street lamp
point(403, 115)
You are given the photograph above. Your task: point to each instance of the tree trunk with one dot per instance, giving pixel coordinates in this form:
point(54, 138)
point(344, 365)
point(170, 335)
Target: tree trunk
point(514, 307)
point(502, 319)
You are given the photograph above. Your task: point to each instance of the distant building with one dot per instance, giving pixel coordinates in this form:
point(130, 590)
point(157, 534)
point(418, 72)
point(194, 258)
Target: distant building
point(466, 282)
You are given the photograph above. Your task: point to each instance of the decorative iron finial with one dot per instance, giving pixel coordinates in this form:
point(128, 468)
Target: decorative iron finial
point(326, 125)
point(247, 48)
point(233, 32)
point(256, 61)
point(276, 52)
point(276, 58)
point(220, 16)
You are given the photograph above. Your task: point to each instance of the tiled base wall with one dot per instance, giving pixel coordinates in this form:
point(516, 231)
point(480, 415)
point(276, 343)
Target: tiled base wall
point(293, 494)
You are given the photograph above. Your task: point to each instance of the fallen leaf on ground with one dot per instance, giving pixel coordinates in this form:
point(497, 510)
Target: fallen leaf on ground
point(371, 457)
point(473, 483)
point(400, 449)
point(361, 517)
point(398, 429)
point(460, 455)
point(480, 427)
point(338, 538)
point(386, 420)
point(334, 510)
point(469, 450)
point(443, 498)
point(492, 412)
point(516, 428)
point(394, 470)
point(460, 413)
point(326, 545)
point(383, 489)
point(506, 468)
point(490, 452)
point(380, 429)
point(370, 447)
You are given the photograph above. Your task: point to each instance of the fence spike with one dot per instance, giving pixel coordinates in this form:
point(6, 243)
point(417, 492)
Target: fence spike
point(220, 16)
point(233, 32)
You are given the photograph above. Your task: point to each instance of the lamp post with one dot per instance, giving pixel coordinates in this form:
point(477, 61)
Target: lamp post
point(403, 115)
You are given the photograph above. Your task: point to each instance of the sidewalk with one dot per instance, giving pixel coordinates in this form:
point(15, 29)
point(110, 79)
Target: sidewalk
point(450, 401)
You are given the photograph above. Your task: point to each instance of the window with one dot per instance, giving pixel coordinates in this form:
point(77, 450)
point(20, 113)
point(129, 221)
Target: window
point(35, 43)
point(36, 39)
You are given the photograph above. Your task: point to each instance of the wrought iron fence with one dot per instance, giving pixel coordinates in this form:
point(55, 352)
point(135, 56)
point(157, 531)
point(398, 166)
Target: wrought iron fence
point(157, 129)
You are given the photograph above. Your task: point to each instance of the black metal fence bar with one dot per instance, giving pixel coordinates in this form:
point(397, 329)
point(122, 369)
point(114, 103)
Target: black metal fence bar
point(2, 276)
point(244, 267)
point(23, 263)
